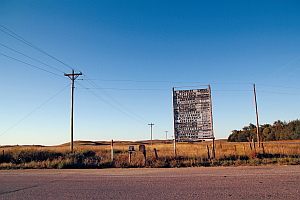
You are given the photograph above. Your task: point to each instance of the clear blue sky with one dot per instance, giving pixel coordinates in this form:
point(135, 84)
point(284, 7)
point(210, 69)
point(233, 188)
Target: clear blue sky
point(136, 51)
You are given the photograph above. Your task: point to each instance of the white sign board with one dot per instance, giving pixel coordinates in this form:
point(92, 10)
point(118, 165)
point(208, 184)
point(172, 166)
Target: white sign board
point(192, 114)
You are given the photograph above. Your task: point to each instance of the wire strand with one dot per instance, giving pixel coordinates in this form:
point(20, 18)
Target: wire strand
point(31, 58)
point(31, 65)
point(34, 110)
point(112, 98)
point(280, 69)
point(14, 35)
point(107, 102)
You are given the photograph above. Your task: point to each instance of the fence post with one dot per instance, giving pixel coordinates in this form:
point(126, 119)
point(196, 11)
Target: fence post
point(262, 146)
point(244, 149)
point(155, 153)
point(250, 146)
point(253, 144)
point(112, 150)
point(130, 156)
point(208, 156)
point(144, 152)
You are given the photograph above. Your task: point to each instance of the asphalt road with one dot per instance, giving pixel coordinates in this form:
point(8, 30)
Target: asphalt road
point(264, 182)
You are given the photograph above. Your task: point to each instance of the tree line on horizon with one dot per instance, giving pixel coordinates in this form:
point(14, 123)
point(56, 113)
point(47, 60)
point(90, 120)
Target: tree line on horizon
point(267, 132)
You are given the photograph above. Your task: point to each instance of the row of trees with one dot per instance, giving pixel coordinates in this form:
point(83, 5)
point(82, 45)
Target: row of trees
point(278, 131)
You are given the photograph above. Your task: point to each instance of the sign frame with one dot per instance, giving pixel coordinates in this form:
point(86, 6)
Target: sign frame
point(195, 102)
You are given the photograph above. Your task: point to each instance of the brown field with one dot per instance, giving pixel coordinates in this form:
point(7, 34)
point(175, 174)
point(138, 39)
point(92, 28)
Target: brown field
point(97, 154)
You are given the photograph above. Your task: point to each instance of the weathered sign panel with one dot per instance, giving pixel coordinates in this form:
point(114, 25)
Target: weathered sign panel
point(192, 114)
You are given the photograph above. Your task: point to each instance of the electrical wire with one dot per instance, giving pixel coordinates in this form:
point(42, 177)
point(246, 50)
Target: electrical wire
point(34, 110)
point(278, 93)
point(128, 89)
point(14, 35)
point(107, 102)
point(31, 65)
point(281, 86)
point(280, 69)
point(136, 118)
point(113, 99)
point(141, 81)
point(285, 76)
point(31, 58)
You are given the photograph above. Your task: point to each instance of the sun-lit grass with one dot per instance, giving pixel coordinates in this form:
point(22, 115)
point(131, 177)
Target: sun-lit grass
point(98, 155)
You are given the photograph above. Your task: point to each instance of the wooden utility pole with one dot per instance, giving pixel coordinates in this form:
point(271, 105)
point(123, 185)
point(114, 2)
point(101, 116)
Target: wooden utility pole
point(72, 76)
point(151, 131)
point(257, 128)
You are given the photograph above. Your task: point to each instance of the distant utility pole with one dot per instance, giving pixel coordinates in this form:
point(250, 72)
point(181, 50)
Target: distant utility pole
point(257, 128)
point(72, 76)
point(151, 131)
point(166, 136)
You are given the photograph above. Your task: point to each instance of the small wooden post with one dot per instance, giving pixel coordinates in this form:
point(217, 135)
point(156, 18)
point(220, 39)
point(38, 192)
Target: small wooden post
point(143, 150)
point(112, 149)
point(244, 149)
point(262, 146)
point(221, 145)
point(130, 156)
point(250, 146)
point(213, 149)
point(208, 156)
point(253, 144)
point(3, 152)
point(175, 150)
point(155, 153)
point(235, 148)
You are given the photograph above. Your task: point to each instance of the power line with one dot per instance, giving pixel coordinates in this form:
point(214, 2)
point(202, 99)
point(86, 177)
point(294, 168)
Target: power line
point(112, 98)
point(280, 69)
point(126, 89)
point(34, 110)
point(108, 103)
point(281, 86)
point(31, 65)
point(14, 35)
point(31, 58)
point(285, 76)
point(148, 81)
point(278, 93)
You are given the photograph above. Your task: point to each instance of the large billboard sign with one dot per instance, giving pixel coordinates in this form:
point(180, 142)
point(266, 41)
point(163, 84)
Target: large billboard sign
point(192, 114)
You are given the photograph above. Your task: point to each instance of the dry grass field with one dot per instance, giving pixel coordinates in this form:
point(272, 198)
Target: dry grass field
point(89, 154)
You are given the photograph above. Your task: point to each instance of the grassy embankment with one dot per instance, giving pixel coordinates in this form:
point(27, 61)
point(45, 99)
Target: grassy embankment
point(98, 155)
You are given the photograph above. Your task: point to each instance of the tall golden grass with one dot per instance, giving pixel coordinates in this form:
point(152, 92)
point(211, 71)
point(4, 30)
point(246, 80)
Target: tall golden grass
point(189, 154)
